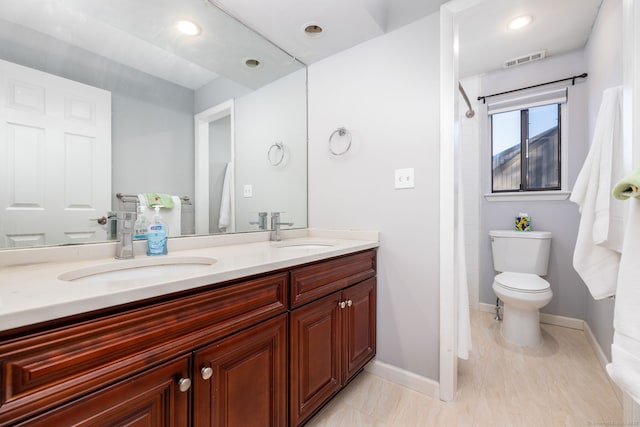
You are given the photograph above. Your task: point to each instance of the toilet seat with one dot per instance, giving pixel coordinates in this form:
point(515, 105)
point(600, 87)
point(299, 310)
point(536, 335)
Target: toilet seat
point(522, 282)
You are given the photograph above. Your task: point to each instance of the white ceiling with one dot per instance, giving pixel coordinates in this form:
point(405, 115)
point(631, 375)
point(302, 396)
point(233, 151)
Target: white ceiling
point(559, 26)
point(69, 25)
point(139, 33)
point(142, 35)
point(346, 23)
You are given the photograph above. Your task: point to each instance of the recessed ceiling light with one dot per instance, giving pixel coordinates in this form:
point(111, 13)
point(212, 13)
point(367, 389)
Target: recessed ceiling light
point(188, 27)
point(313, 30)
point(520, 22)
point(252, 63)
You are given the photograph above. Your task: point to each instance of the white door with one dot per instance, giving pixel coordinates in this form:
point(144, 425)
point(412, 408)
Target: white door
point(55, 158)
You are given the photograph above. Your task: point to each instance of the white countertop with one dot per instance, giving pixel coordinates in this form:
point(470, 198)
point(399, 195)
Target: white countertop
point(31, 291)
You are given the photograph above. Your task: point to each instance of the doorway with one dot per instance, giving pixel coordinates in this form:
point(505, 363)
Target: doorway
point(214, 159)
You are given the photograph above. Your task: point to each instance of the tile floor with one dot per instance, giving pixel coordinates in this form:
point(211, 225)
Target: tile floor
point(559, 384)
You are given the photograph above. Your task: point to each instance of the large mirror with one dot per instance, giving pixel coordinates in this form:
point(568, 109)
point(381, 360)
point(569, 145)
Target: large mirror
point(106, 106)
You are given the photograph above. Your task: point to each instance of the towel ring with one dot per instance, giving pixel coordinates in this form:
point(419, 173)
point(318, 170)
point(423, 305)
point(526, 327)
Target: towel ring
point(276, 154)
point(340, 132)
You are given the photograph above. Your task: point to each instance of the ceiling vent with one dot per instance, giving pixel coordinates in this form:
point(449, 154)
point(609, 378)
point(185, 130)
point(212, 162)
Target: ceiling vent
point(536, 56)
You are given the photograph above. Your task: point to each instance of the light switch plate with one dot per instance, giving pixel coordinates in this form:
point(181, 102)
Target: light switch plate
point(404, 178)
point(248, 190)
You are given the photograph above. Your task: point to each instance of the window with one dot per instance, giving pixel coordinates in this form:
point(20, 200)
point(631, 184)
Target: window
point(526, 143)
point(526, 149)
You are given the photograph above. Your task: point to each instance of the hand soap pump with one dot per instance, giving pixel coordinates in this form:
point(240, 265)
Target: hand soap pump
point(157, 235)
point(141, 226)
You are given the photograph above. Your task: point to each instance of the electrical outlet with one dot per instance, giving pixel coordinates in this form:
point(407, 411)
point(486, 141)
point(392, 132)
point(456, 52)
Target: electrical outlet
point(404, 178)
point(248, 190)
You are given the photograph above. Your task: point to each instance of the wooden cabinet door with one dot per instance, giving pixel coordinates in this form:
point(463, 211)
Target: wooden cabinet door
point(152, 398)
point(315, 347)
point(242, 380)
point(359, 327)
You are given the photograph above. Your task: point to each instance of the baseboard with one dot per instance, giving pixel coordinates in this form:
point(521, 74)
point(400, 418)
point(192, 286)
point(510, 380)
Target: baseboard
point(404, 378)
point(602, 359)
point(549, 319)
point(486, 308)
point(567, 322)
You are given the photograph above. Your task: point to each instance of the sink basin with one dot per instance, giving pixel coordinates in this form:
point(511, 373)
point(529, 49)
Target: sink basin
point(143, 268)
point(304, 244)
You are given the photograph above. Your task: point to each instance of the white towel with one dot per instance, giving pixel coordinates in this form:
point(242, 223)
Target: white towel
point(171, 217)
point(597, 252)
point(148, 212)
point(224, 220)
point(625, 350)
point(624, 369)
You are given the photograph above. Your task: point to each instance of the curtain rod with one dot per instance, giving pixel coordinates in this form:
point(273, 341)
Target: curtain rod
point(470, 113)
point(572, 78)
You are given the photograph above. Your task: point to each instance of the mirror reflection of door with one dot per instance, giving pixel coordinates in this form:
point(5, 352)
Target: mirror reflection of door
point(55, 158)
point(214, 175)
point(220, 175)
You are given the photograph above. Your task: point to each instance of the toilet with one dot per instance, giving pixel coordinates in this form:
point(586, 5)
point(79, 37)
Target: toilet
point(521, 257)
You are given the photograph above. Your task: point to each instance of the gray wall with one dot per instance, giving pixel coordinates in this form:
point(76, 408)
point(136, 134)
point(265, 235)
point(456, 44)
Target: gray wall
point(386, 93)
point(604, 58)
point(217, 92)
point(152, 148)
point(152, 119)
point(559, 217)
point(274, 113)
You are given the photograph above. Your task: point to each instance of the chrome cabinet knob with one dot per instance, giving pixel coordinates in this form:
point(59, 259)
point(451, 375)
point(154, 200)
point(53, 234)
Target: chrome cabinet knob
point(206, 372)
point(184, 384)
point(349, 303)
point(342, 304)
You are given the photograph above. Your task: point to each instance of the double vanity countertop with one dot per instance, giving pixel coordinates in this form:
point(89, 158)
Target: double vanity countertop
point(42, 284)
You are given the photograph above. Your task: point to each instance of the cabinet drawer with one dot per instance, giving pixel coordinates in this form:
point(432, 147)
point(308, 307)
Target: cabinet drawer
point(46, 369)
point(317, 280)
point(152, 398)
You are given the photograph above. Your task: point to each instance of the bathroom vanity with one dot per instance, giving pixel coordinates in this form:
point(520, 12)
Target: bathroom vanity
point(265, 336)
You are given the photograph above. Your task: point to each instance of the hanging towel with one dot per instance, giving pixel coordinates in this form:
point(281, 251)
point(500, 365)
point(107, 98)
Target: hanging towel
point(597, 252)
point(624, 368)
point(159, 199)
point(171, 217)
point(224, 220)
point(630, 184)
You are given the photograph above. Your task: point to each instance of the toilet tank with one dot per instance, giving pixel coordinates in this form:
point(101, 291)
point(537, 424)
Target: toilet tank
point(521, 251)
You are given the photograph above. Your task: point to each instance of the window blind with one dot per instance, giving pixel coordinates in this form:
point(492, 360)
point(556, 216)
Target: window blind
point(504, 104)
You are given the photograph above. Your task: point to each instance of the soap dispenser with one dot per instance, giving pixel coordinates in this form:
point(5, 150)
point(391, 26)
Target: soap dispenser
point(141, 226)
point(157, 235)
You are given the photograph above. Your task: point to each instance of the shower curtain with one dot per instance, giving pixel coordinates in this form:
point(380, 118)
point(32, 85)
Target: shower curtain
point(464, 321)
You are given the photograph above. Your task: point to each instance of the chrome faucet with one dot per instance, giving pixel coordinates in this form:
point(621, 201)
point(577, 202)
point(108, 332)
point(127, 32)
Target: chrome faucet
point(124, 246)
point(261, 222)
point(275, 226)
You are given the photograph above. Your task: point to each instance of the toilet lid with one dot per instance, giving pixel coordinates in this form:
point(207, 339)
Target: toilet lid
point(522, 282)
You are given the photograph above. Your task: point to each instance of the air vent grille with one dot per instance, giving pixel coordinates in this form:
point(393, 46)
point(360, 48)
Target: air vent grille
point(536, 56)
